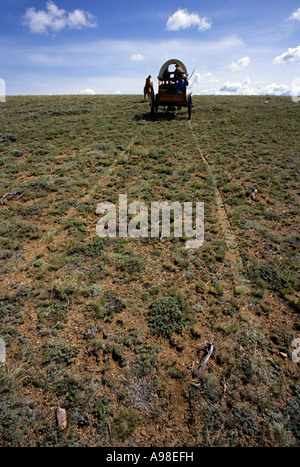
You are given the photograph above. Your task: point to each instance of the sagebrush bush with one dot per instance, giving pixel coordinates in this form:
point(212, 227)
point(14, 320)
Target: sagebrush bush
point(167, 315)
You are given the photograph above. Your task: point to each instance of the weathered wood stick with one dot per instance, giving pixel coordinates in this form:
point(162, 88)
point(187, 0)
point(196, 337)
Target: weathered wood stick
point(207, 356)
point(7, 196)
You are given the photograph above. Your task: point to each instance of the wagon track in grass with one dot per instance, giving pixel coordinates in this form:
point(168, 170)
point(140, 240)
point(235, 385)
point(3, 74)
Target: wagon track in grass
point(233, 253)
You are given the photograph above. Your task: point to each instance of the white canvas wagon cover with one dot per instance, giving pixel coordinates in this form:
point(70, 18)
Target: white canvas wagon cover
point(172, 61)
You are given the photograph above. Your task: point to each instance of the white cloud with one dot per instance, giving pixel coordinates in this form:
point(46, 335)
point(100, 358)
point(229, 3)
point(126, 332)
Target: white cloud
point(291, 56)
point(137, 57)
point(88, 91)
point(234, 88)
point(198, 81)
point(181, 19)
point(79, 19)
point(249, 88)
point(295, 91)
point(277, 90)
point(2, 90)
point(198, 77)
point(296, 15)
point(56, 19)
point(240, 64)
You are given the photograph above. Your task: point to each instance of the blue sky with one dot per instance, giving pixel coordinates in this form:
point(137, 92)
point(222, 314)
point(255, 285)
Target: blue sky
point(76, 47)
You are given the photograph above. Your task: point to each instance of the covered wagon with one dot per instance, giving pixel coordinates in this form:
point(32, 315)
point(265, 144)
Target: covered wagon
point(172, 88)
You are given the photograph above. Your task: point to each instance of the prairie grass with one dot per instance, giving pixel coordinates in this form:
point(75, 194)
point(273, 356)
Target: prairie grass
point(114, 330)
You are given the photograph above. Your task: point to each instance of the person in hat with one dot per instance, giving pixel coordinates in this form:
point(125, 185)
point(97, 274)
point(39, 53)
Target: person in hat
point(166, 75)
point(149, 82)
point(178, 74)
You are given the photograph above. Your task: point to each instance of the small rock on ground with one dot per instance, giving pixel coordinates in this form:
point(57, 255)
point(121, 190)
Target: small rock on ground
point(61, 416)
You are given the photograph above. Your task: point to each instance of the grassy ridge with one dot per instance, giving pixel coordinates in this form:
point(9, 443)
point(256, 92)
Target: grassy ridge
point(85, 320)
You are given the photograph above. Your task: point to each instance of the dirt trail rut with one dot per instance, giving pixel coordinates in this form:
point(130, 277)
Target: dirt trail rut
point(233, 253)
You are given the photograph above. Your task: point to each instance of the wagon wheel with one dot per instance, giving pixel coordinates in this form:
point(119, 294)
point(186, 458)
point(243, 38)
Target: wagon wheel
point(190, 105)
point(152, 103)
